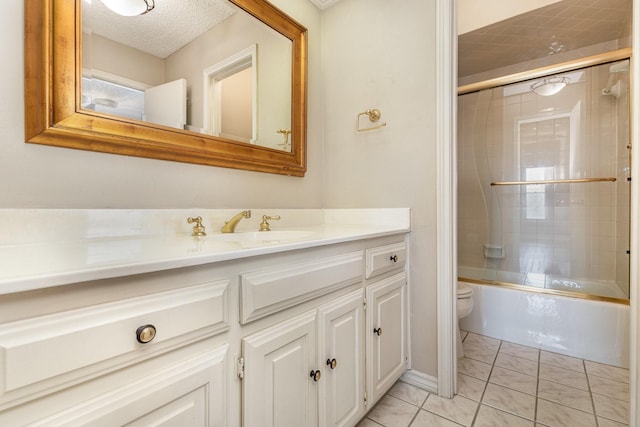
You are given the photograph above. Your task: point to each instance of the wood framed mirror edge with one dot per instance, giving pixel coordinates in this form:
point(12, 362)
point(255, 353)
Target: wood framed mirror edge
point(53, 115)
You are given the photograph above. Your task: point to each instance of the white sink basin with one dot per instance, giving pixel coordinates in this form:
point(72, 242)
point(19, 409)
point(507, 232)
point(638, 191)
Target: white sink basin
point(261, 236)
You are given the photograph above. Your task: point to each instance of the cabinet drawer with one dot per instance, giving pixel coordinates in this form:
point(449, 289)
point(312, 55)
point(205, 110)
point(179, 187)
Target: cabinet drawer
point(385, 258)
point(47, 351)
point(269, 291)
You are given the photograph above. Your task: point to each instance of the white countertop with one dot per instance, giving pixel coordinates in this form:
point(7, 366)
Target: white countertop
point(78, 250)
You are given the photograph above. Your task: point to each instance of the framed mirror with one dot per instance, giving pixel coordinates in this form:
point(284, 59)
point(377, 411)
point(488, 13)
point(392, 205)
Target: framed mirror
point(74, 87)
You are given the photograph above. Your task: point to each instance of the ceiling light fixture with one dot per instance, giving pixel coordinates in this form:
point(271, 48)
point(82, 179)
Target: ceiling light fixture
point(130, 7)
point(550, 86)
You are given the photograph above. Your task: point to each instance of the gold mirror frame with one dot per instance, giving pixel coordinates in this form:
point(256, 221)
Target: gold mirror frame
point(53, 114)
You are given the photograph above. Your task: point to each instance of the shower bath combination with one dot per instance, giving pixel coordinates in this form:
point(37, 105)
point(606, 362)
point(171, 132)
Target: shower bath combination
point(544, 211)
point(543, 183)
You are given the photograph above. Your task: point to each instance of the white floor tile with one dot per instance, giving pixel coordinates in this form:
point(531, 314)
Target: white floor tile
point(520, 351)
point(517, 364)
point(368, 423)
point(459, 409)
point(427, 419)
point(470, 387)
point(603, 422)
point(408, 393)
point(482, 341)
point(607, 371)
point(483, 354)
point(508, 400)
point(555, 415)
point(515, 380)
point(516, 386)
point(615, 389)
point(564, 376)
point(561, 361)
point(565, 395)
point(491, 417)
point(474, 368)
point(393, 412)
point(613, 409)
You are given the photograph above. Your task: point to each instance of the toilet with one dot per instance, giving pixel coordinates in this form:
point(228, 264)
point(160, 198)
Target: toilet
point(464, 305)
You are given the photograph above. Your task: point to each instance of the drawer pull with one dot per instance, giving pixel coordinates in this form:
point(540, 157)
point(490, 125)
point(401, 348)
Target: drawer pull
point(145, 333)
point(316, 375)
point(393, 258)
point(377, 331)
point(332, 363)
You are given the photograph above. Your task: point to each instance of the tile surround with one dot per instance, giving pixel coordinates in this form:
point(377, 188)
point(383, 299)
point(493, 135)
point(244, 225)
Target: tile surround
point(520, 387)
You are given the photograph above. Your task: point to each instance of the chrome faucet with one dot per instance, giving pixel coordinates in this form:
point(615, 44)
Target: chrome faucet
point(230, 226)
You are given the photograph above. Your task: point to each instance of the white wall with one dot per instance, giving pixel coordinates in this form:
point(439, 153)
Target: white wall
point(103, 54)
point(380, 54)
point(51, 177)
point(375, 54)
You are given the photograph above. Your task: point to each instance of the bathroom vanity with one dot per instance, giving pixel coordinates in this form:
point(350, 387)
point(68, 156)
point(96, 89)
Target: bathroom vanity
point(117, 324)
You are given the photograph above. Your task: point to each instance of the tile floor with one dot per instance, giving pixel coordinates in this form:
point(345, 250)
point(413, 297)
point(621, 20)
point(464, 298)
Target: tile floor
point(501, 384)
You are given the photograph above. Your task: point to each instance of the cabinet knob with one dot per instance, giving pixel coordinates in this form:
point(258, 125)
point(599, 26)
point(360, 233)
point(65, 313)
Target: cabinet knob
point(332, 363)
point(145, 333)
point(393, 258)
point(377, 331)
point(315, 375)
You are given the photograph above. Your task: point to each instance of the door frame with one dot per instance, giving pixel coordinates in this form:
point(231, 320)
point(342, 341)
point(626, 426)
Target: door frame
point(446, 193)
point(635, 231)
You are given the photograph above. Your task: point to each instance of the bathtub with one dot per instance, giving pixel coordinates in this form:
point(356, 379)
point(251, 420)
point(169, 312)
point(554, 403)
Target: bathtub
point(602, 288)
point(592, 330)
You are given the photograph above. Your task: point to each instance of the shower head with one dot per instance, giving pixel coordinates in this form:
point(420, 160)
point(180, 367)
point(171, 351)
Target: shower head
point(619, 67)
point(611, 88)
point(614, 90)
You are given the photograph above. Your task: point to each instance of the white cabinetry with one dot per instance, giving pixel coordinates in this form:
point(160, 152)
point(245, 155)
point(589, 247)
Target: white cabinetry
point(341, 356)
point(129, 360)
point(276, 340)
point(279, 389)
point(386, 317)
point(189, 393)
point(310, 361)
point(386, 326)
point(311, 369)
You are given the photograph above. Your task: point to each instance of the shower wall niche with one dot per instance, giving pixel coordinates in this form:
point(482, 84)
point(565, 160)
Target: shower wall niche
point(543, 183)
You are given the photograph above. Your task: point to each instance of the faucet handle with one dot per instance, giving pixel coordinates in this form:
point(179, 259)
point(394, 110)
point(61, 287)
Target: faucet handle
point(198, 229)
point(264, 225)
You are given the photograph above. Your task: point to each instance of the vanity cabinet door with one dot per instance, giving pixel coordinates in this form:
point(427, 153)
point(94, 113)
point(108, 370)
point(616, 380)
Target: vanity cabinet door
point(341, 353)
point(386, 334)
point(190, 392)
point(280, 385)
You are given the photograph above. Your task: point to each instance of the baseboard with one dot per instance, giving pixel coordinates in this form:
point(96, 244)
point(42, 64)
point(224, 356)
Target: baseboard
point(420, 380)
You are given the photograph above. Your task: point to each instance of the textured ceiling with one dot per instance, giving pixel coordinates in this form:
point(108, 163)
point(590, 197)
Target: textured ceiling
point(550, 30)
point(169, 26)
point(323, 4)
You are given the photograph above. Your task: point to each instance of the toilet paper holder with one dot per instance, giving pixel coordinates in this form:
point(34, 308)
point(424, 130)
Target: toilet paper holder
point(374, 115)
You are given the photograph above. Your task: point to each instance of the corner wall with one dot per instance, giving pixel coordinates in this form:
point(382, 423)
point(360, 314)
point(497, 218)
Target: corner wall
point(380, 54)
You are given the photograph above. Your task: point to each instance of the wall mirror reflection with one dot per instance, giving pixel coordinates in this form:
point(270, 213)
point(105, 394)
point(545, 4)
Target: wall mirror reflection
point(214, 82)
point(206, 67)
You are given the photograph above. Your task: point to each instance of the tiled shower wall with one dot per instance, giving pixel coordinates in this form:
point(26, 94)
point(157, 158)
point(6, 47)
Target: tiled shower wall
point(531, 234)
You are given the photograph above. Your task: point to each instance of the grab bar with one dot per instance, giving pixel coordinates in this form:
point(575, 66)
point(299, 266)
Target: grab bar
point(554, 181)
